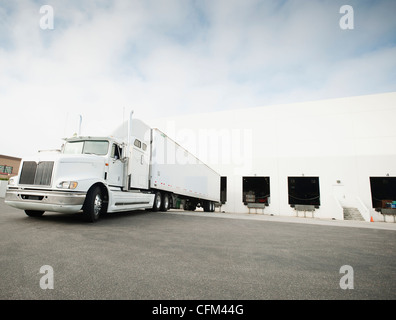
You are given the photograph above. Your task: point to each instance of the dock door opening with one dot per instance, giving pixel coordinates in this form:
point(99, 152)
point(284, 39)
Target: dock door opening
point(304, 191)
point(223, 190)
point(383, 192)
point(256, 190)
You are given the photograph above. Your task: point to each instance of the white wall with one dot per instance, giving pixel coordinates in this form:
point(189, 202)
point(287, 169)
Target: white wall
point(348, 139)
point(3, 187)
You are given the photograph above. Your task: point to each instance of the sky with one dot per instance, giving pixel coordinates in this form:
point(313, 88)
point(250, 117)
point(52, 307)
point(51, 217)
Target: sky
point(163, 58)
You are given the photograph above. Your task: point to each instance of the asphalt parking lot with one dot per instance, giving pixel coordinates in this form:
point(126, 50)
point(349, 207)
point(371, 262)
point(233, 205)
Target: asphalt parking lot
point(147, 255)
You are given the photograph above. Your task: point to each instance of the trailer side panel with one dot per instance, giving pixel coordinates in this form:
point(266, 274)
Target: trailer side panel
point(176, 170)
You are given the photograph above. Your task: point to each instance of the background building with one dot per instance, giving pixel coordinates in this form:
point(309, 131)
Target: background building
point(9, 166)
point(329, 155)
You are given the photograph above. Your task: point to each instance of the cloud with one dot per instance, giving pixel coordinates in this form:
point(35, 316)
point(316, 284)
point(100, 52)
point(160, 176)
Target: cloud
point(170, 57)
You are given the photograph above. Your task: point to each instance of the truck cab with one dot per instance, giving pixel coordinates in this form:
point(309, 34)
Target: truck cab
point(110, 150)
point(88, 174)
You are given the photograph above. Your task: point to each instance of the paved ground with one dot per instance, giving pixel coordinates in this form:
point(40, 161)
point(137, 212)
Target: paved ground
point(174, 255)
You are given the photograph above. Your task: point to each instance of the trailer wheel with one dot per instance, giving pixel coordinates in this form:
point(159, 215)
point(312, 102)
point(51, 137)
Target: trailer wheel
point(165, 202)
point(93, 206)
point(207, 206)
point(157, 201)
point(34, 213)
point(212, 206)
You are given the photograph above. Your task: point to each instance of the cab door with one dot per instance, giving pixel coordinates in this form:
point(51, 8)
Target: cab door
point(115, 171)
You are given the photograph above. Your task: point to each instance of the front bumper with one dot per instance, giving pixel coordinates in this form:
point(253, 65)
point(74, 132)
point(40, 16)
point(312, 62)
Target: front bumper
point(45, 200)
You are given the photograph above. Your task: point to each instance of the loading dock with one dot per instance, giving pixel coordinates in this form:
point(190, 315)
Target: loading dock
point(304, 194)
point(223, 190)
point(256, 190)
point(383, 195)
point(304, 191)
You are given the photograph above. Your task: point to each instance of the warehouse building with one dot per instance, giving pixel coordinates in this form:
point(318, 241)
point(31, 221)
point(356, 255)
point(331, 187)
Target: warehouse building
point(330, 159)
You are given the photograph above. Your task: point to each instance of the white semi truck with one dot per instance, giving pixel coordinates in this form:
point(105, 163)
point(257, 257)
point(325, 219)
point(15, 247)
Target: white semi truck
point(139, 169)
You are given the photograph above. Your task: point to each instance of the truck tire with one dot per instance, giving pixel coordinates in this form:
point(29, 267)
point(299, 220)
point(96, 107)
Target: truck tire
point(93, 206)
point(34, 213)
point(212, 206)
point(165, 202)
point(157, 201)
point(206, 206)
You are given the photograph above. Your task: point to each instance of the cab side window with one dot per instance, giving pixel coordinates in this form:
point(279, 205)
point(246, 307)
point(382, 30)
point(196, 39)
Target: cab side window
point(137, 143)
point(116, 151)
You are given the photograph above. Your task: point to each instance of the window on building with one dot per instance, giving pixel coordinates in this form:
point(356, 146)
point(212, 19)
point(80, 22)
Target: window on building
point(304, 191)
point(5, 169)
point(255, 190)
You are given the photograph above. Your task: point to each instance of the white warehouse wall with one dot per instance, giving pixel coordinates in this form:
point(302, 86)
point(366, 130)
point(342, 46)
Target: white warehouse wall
point(3, 187)
point(346, 140)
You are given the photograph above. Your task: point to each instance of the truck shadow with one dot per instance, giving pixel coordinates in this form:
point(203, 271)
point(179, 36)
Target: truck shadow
point(78, 218)
point(124, 215)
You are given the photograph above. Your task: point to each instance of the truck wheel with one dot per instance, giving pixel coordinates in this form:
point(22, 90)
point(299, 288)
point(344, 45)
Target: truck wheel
point(34, 213)
point(165, 202)
point(206, 206)
point(93, 206)
point(157, 201)
point(212, 206)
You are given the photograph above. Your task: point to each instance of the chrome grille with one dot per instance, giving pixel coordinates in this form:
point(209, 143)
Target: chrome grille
point(28, 172)
point(36, 173)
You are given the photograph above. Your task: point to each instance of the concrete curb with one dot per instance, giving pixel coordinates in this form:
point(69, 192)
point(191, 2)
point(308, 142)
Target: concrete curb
point(288, 219)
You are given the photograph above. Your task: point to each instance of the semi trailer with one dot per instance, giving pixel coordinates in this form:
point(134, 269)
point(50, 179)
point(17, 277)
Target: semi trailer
point(136, 168)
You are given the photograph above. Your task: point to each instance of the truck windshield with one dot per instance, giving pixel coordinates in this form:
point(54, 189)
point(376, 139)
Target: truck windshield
point(86, 147)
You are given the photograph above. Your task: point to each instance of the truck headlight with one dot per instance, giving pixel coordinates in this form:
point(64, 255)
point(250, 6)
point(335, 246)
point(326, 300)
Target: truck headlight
point(67, 185)
point(12, 181)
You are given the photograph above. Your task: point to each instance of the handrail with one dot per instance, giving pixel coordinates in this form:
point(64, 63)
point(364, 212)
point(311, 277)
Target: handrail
point(338, 204)
point(364, 211)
